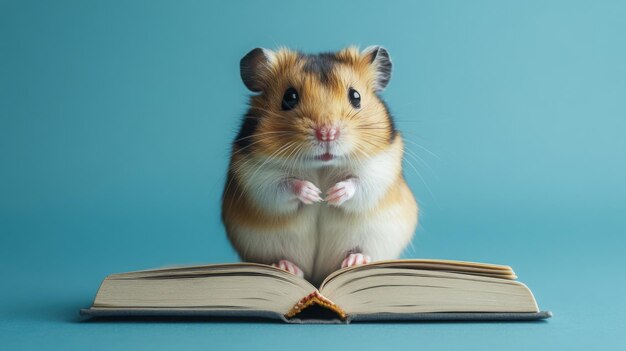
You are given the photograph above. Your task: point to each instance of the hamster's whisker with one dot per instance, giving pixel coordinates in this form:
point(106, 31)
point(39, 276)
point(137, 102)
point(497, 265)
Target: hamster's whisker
point(272, 156)
point(375, 146)
point(373, 124)
point(299, 156)
point(355, 162)
point(241, 150)
point(288, 158)
point(386, 128)
point(371, 110)
point(360, 147)
point(370, 137)
point(243, 161)
point(264, 163)
point(374, 110)
point(255, 142)
point(422, 147)
point(417, 158)
point(236, 170)
point(376, 136)
point(227, 188)
point(420, 177)
point(352, 116)
point(261, 109)
point(264, 133)
point(288, 164)
point(237, 166)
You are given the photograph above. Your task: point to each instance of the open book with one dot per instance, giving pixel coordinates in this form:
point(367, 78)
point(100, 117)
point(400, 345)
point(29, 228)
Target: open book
point(386, 290)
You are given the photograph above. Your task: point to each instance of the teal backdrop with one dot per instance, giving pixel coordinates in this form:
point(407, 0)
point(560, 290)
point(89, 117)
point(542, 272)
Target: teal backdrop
point(116, 119)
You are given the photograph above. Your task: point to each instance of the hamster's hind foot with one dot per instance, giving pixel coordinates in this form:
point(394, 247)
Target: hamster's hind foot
point(289, 267)
point(355, 259)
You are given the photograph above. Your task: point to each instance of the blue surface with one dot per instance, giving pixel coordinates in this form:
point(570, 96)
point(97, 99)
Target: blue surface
point(115, 120)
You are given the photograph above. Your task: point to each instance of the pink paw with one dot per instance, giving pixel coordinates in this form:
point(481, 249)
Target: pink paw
point(289, 267)
point(341, 192)
point(355, 259)
point(306, 191)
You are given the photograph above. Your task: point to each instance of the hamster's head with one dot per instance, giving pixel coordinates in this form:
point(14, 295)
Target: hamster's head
point(316, 110)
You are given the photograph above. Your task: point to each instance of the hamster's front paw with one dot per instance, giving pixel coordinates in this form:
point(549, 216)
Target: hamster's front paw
point(305, 191)
point(289, 267)
point(355, 259)
point(341, 192)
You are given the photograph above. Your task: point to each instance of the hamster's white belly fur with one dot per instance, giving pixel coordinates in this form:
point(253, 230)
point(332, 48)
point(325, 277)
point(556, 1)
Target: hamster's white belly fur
point(318, 237)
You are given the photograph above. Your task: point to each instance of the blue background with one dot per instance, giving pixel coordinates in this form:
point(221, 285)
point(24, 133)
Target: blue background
point(116, 118)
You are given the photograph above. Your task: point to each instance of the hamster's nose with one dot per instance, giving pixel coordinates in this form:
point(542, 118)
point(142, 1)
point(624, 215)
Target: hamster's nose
point(327, 133)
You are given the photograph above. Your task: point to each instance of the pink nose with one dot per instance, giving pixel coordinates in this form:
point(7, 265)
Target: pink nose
point(327, 133)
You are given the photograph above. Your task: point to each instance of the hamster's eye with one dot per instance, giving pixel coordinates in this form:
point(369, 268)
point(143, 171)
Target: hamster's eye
point(354, 97)
point(290, 99)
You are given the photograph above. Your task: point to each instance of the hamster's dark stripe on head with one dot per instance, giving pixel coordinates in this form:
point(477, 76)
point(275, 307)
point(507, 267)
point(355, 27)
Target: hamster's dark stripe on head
point(249, 124)
point(321, 65)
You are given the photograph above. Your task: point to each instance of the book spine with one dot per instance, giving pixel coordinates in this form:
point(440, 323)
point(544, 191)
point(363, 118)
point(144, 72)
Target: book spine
point(315, 298)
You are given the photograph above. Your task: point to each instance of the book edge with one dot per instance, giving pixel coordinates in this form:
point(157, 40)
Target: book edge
point(371, 317)
point(452, 316)
point(178, 312)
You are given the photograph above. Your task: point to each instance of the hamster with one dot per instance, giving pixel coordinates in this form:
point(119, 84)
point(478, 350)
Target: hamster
point(315, 180)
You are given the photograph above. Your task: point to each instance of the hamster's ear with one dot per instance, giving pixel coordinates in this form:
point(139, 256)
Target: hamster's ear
point(254, 66)
point(379, 58)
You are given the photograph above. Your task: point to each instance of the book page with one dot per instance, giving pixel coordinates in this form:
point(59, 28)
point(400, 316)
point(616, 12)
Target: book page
point(475, 268)
point(408, 290)
point(240, 286)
